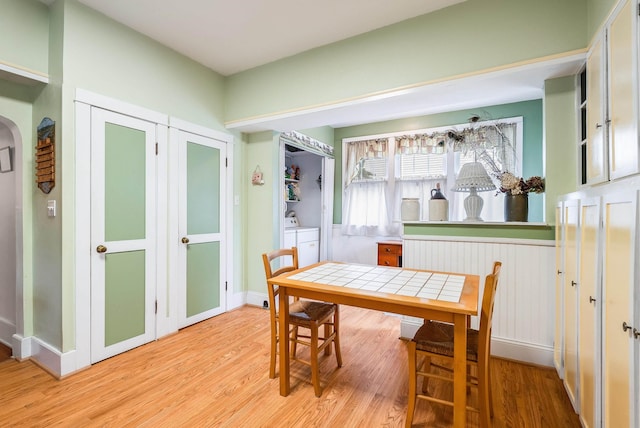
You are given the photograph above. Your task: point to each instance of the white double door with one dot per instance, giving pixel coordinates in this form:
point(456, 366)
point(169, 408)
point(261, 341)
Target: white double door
point(134, 230)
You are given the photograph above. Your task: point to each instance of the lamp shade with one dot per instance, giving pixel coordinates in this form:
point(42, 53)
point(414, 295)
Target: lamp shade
point(473, 176)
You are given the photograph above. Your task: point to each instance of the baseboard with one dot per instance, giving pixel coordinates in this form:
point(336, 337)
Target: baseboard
point(236, 300)
point(256, 299)
point(7, 330)
point(21, 347)
point(506, 348)
point(59, 364)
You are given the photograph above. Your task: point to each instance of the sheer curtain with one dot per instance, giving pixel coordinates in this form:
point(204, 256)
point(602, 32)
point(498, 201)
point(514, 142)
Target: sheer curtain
point(367, 201)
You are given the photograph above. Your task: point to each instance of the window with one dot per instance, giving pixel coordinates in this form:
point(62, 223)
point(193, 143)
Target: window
point(379, 171)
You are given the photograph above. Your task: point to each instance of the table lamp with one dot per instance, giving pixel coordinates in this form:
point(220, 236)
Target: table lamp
point(473, 178)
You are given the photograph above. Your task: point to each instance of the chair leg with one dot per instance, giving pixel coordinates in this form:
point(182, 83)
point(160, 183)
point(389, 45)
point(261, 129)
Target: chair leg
point(490, 389)
point(336, 340)
point(274, 350)
point(315, 379)
point(484, 396)
point(294, 341)
point(411, 398)
point(327, 333)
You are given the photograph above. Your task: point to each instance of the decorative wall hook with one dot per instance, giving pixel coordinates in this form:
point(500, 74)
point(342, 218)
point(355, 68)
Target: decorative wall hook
point(256, 177)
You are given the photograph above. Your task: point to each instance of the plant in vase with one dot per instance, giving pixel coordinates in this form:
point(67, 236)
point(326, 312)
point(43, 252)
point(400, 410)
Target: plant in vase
point(516, 190)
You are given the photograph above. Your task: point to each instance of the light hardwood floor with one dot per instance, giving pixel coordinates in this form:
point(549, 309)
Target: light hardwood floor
point(215, 374)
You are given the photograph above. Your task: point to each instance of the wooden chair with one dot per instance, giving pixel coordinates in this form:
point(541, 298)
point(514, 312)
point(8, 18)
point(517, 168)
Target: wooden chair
point(307, 314)
point(435, 339)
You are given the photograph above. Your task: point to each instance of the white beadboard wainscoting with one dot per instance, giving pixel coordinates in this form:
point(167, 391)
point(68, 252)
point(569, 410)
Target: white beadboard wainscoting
point(523, 318)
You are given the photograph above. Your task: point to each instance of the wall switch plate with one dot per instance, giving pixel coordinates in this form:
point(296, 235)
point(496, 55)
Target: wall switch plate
point(51, 208)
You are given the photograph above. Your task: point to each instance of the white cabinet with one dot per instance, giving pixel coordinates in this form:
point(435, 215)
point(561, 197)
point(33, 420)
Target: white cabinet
point(611, 150)
point(308, 242)
point(558, 343)
point(596, 150)
point(622, 91)
point(570, 301)
point(597, 345)
point(589, 312)
point(620, 354)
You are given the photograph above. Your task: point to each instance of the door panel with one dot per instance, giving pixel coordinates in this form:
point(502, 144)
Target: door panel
point(623, 135)
point(124, 296)
point(596, 149)
point(618, 280)
point(571, 302)
point(201, 214)
point(558, 343)
point(203, 268)
point(123, 212)
point(589, 305)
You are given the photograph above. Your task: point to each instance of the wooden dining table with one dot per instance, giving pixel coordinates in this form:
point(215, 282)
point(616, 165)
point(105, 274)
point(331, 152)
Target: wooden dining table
point(442, 296)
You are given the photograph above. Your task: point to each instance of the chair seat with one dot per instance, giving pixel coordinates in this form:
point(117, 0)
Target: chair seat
point(302, 312)
point(437, 338)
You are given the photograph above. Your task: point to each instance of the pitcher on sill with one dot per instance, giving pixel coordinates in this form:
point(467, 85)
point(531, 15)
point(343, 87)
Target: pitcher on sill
point(438, 205)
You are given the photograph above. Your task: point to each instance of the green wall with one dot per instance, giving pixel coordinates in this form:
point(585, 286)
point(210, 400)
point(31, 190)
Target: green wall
point(48, 312)
point(531, 111)
point(103, 56)
point(24, 29)
point(263, 220)
point(561, 154)
point(465, 38)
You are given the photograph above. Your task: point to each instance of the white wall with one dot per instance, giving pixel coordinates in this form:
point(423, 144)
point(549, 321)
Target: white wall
point(7, 246)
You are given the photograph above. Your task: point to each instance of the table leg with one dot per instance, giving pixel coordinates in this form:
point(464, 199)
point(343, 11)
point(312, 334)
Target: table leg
point(460, 370)
point(283, 330)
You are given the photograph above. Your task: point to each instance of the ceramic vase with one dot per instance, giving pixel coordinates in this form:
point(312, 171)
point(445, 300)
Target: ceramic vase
point(516, 207)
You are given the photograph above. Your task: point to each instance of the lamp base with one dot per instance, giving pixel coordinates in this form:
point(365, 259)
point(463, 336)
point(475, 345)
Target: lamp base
point(473, 206)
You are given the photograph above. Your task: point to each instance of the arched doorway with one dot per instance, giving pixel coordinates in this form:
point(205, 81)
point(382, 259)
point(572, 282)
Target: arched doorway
point(11, 263)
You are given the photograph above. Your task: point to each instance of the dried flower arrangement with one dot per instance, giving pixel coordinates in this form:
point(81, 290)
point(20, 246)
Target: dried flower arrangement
point(512, 185)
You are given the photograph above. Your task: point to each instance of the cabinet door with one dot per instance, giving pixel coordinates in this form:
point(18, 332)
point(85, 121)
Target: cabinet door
point(558, 343)
point(570, 355)
point(623, 134)
point(589, 306)
point(596, 145)
point(619, 215)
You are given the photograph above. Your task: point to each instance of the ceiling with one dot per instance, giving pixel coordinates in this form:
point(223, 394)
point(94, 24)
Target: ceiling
point(233, 36)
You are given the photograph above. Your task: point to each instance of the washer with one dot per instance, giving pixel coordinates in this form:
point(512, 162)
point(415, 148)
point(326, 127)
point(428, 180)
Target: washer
point(306, 239)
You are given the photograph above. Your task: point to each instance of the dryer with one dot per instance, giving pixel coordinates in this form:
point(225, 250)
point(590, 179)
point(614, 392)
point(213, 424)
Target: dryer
point(306, 239)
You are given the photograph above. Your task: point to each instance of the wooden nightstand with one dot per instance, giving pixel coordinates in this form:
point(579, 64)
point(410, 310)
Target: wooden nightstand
point(390, 253)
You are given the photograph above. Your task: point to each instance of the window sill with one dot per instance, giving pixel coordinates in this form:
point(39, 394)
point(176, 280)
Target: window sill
point(477, 223)
point(484, 229)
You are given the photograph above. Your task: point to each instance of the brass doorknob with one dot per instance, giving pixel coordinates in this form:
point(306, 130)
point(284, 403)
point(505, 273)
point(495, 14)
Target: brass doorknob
point(101, 249)
point(185, 240)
